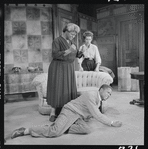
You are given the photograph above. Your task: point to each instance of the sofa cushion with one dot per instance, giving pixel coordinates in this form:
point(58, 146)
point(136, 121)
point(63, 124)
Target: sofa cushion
point(92, 79)
point(84, 89)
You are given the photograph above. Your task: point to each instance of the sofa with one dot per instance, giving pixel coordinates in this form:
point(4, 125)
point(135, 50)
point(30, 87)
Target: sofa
point(85, 81)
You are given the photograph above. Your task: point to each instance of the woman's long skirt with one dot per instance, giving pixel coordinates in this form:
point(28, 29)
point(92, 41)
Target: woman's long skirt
point(61, 85)
point(88, 65)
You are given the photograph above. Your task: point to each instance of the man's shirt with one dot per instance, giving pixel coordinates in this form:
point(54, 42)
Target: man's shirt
point(87, 105)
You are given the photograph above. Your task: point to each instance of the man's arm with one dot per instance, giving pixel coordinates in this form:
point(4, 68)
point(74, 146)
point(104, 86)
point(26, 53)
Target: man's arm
point(97, 58)
point(80, 60)
point(93, 108)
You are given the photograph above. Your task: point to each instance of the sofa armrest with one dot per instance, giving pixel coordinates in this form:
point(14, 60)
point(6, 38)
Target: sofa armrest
point(40, 94)
point(43, 108)
point(39, 79)
point(40, 82)
point(104, 78)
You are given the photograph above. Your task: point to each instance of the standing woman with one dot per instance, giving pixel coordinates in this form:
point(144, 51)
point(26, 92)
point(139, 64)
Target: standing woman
point(61, 85)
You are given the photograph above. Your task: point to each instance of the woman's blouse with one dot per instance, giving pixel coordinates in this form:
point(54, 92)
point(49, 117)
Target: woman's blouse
point(91, 52)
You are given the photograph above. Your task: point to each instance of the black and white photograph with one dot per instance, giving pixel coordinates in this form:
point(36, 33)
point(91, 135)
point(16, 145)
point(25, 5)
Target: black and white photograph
point(73, 74)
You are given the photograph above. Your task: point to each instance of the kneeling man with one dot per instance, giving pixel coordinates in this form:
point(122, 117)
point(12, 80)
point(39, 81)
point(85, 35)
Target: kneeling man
point(72, 118)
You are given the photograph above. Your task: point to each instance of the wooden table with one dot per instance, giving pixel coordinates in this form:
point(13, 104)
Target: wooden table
point(139, 76)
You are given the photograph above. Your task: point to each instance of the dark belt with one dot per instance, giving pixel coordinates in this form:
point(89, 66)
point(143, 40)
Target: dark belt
point(88, 59)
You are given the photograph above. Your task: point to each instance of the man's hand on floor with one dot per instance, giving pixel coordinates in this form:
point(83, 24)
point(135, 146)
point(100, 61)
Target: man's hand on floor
point(116, 123)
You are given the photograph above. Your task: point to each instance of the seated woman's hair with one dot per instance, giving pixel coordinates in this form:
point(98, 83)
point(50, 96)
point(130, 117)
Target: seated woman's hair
point(105, 86)
point(71, 27)
point(87, 33)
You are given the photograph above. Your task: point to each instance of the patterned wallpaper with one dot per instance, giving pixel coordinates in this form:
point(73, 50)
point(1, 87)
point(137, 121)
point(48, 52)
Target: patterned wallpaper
point(28, 37)
point(65, 6)
point(118, 9)
point(106, 27)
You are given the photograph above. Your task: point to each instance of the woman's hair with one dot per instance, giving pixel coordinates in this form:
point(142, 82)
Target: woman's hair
point(71, 27)
point(87, 33)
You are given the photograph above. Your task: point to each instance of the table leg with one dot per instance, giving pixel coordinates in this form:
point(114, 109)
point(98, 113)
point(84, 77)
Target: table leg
point(141, 100)
point(5, 100)
point(141, 85)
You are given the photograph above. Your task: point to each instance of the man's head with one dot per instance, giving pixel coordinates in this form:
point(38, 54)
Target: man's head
point(105, 91)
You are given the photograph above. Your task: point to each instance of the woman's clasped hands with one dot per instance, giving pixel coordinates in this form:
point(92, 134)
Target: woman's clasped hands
point(72, 48)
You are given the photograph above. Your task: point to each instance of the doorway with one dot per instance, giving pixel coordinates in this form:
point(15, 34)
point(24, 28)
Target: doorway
point(128, 42)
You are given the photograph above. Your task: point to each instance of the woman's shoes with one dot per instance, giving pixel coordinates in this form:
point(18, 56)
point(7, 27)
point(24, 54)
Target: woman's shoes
point(52, 118)
point(18, 132)
point(54, 114)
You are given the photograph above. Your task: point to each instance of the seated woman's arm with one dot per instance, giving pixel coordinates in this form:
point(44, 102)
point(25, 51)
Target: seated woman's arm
point(80, 59)
point(97, 58)
point(79, 53)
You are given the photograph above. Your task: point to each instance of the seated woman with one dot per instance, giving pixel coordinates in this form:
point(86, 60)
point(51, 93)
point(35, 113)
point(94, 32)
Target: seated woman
point(91, 60)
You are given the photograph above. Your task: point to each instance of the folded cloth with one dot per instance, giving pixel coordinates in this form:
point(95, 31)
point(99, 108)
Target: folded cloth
point(109, 71)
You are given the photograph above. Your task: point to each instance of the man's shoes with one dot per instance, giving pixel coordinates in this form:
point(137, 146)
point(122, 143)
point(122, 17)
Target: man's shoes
point(18, 132)
point(52, 118)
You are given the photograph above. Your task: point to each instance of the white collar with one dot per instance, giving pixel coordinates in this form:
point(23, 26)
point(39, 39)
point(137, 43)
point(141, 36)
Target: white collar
point(99, 96)
point(87, 46)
